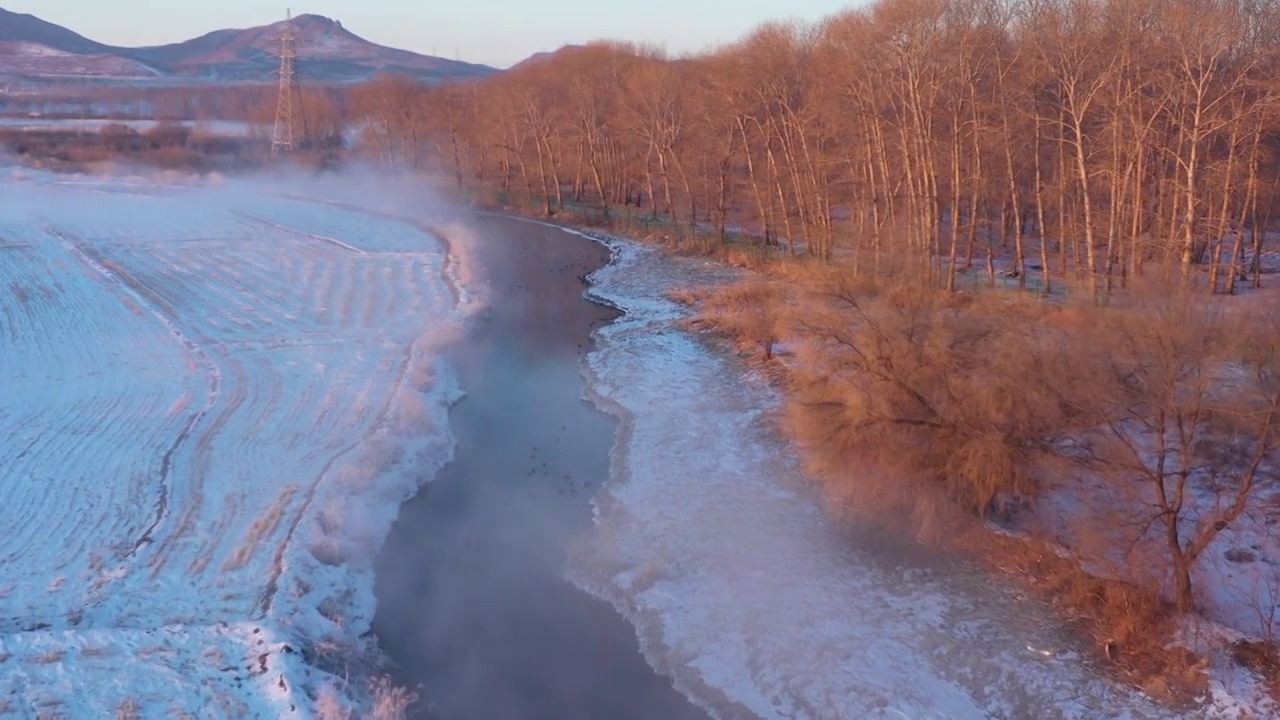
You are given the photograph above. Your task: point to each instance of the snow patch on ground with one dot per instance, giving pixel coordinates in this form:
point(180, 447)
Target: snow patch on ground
point(214, 403)
point(1236, 580)
point(742, 590)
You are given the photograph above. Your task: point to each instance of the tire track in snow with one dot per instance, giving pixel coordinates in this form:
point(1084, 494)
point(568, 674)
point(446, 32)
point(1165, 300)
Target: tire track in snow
point(299, 233)
point(200, 461)
point(152, 304)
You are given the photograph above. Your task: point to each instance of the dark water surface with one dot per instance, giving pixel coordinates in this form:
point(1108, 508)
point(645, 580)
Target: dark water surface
point(472, 603)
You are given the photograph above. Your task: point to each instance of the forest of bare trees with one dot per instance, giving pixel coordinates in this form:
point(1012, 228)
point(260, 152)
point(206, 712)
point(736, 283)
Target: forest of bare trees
point(1081, 140)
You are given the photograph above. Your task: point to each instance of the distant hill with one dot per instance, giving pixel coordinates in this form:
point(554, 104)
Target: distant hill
point(17, 27)
point(33, 51)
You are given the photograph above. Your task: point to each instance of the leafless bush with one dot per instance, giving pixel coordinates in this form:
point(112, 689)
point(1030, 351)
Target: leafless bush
point(941, 401)
point(750, 312)
point(330, 609)
point(1262, 654)
point(127, 710)
point(390, 702)
point(341, 656)
point(1261, 657)
point(355, 478)
point(330, 704)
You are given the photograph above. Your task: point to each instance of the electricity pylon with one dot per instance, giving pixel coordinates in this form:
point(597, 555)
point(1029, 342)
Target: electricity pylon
point(282, 135)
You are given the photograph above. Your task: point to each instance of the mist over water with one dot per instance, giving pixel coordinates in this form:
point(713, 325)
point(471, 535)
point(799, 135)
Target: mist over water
point(472, 601)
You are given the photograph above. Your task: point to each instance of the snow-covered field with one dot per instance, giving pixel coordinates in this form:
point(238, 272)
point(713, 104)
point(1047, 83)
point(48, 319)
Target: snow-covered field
point(741, 589)
point(212, 402)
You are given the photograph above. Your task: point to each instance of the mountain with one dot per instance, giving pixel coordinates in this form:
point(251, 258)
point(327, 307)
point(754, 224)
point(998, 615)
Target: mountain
point(34, 52)
point(30, 47)
point(326, 51)
point(16, 27)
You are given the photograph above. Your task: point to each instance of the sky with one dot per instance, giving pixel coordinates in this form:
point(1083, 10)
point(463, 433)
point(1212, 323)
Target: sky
point(493, 32)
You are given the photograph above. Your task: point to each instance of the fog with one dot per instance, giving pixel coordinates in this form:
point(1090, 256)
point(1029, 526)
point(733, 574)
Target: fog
point(471, 584)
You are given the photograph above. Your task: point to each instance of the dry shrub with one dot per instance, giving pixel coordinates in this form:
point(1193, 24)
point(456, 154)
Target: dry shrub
point(1128, 626)
point(355, 478)
point(390, 702)
point(688, 296)
point(127, 710)
point(330, 704)
point(1263, 658)
point(754, 257)
point(379, 452)
point(749, 312)
point(942, 396)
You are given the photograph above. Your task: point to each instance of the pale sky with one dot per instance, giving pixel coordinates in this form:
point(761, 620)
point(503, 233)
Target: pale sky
point(494, 32)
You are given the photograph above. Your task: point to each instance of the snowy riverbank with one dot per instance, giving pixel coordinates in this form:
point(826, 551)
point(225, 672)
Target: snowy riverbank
point(748, 596)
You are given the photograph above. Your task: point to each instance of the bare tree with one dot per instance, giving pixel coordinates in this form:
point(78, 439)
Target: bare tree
point(1189, 399)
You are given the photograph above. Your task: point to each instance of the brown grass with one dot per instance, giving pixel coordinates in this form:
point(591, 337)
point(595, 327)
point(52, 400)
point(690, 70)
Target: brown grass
point(1262, 658)
point(390, 702)
point(47, 657)
point(1128, 626)
point(751, 313)
point(127, 710)
point(261, 528)
point(331, 706)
